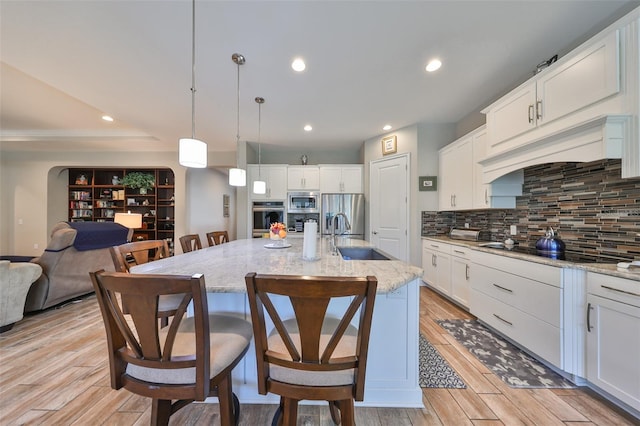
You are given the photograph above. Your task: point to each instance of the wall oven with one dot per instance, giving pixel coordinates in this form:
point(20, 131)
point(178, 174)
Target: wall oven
point(303, 202)
point(264, 214)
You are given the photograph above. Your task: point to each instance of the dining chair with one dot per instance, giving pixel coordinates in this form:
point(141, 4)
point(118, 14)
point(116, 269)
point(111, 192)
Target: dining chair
point(190, 242)
point(217, 237)
point(190, 360)
point(127, 255)
point(137, 253)
point(312, 356)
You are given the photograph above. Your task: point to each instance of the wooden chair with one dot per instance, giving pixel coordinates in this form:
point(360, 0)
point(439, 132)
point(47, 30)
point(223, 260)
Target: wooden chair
point(127, 255)
point(187, 361)
point(217, 237)
point(313, 356)
point(138, 252)
point(190, 242)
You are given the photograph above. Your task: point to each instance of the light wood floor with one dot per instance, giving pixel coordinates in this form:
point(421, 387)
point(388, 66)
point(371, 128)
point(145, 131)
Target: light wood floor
point(53, 371)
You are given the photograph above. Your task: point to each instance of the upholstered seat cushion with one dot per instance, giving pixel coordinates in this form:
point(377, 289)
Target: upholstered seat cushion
point(229, 336)
point(345, 348)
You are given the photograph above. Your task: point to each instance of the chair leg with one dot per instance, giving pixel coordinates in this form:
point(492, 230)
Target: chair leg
point(225, 399)
point(160, 412)
point(347, 412)
point(277, 416)
point(335, 412)
point(290, 412)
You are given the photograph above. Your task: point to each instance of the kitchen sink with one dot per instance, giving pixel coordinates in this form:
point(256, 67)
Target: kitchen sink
point(362, 253)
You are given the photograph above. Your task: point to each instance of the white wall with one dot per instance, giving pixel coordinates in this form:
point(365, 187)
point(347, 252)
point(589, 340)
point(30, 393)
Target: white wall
point(205, 190)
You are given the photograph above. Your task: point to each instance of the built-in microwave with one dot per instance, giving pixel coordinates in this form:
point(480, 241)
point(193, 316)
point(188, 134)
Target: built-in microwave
point(303, 202)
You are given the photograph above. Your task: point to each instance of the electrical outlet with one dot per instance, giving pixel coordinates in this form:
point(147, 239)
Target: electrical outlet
point(36, 245)
point(513, 230)
point(466, 225)
point(20, 222)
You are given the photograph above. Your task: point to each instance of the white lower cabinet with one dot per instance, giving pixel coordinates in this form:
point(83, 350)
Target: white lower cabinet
point(613, 337)
point(521, 300)
point(447, 269)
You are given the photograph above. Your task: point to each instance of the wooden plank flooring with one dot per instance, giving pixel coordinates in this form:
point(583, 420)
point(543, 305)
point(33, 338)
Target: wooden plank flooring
point(53, 371)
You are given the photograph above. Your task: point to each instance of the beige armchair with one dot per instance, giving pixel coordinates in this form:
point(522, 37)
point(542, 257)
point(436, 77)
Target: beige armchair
point(65, 268)
point(15, 280)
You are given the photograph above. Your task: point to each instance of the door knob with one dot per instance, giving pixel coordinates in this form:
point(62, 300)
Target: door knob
point(374, 232)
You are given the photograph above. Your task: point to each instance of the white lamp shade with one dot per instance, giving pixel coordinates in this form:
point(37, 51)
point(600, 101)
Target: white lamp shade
point(129, 220)
point(192, 153)
point(237, 177)
point(259, 187)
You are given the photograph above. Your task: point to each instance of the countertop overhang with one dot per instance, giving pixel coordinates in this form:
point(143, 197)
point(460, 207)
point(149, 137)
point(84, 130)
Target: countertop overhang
point(225, 266)
point(601, 268)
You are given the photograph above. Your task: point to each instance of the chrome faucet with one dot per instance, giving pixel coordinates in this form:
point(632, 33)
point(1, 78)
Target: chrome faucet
point(333, 248)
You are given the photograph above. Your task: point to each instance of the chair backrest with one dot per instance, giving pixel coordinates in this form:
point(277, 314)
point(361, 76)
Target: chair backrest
point(138, 340)
point(310, 297)
point(138, 252)
point(190, 242)
point(217, 237)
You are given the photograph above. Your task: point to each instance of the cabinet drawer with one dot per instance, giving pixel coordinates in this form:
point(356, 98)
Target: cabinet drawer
point(436, 246)
point(614, 288)
point(543, 273)
point(531, 333)
point(533, 297)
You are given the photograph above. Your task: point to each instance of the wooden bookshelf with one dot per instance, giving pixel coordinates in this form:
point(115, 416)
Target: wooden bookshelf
point(96, 194)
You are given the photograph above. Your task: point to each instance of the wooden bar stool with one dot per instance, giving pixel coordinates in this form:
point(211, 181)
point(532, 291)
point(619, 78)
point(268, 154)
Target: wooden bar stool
point(190, 242)
point(217, 237)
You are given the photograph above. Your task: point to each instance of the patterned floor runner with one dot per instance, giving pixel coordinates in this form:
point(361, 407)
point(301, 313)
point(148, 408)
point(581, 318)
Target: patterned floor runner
point(435, 372)
point(513, 366)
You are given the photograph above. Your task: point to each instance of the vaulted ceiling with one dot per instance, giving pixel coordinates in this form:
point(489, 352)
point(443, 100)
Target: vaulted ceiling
point(66, 63)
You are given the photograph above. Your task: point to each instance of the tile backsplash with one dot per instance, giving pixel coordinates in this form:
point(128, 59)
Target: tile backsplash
point(594, 210)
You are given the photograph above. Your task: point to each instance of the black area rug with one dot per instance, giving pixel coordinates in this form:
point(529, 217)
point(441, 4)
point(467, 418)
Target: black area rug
point(435, 372)
point(513, 366)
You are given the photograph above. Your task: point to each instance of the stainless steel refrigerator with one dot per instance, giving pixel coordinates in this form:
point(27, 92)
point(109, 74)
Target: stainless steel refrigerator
point(352, 205)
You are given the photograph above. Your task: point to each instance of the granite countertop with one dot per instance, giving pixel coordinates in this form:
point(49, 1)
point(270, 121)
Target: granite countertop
point(225, 266)
point(602, 268)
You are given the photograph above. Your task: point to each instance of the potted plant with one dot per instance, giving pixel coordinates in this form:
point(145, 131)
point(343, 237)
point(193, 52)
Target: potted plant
point(139, 180)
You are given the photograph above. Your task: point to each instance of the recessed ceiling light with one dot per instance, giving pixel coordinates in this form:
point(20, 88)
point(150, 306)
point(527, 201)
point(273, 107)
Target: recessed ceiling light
point(433, 65)
point(308, 128)
point(298, 65)
point(107, 118)
point(387, 127)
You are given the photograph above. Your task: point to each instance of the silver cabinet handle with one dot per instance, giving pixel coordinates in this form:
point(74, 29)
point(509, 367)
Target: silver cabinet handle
point(539, 110)
point(503, 288)
point(451, 200)
point(459, 251)
point(620, 291)
point(466, 272)
point(530, 114)
point(486, 196)
point(589, 308)
point(434, 260)
point(503, 320)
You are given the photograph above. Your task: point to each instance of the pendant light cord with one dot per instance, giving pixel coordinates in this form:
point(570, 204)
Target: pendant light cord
point(193, 70)
point(238, 119)
point(259, 144)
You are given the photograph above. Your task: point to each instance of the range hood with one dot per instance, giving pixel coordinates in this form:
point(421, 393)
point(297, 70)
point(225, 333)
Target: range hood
point(601, 138)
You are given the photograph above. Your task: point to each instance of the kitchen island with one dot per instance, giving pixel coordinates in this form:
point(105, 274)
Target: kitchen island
point(392, 366)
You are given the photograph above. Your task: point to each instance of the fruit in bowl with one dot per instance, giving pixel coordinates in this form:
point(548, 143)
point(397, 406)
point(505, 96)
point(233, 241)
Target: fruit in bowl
point(278, 231)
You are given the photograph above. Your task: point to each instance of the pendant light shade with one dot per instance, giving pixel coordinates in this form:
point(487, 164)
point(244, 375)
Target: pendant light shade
point(191, 151)
point(238, 176)
point(259, 186)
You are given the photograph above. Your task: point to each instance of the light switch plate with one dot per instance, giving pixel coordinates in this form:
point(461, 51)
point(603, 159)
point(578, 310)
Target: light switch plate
point(513, 230)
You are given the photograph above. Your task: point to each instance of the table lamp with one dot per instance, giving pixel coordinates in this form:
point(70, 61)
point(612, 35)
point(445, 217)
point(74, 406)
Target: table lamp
point(129, 220)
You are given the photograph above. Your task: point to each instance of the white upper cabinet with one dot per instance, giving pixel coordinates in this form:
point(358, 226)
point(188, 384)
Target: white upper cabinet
point(305, 178)
point(275, 177)
point(345, 178)
point(455, 175)
point(586, 78)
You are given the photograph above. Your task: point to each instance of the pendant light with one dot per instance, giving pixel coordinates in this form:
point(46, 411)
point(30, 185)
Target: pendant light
point(238, 176)
point(259, 186)
point(193, 152)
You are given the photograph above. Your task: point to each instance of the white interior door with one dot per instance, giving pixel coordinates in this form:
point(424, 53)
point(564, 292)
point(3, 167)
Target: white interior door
point(389, 201)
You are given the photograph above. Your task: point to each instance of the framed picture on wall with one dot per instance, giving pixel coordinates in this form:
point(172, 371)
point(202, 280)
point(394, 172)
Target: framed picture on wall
point(389, 145)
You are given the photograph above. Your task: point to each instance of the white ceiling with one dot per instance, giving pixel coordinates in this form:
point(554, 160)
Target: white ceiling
point(65, 63)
